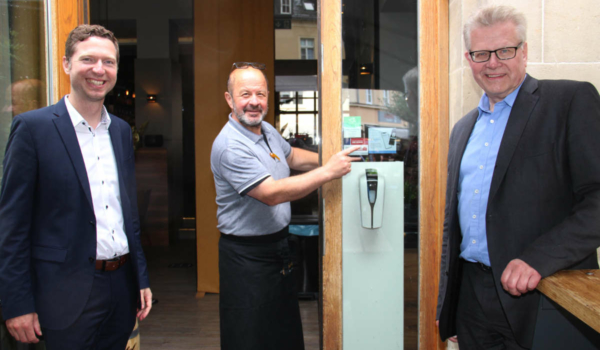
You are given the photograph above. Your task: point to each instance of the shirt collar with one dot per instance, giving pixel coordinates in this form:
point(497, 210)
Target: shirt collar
point(77, 119)
point(484, 102)
point(237, 126)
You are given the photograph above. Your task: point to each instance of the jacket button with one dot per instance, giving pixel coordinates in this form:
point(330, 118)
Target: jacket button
point(92, 259)
point(91, 222)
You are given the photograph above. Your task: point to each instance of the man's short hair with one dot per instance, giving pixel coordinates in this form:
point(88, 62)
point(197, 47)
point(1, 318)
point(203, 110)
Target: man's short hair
point(230, 80)
point(85, 31)
point(491, 15)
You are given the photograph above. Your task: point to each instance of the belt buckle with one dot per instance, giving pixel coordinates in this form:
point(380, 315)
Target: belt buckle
point(484, 267)
point(118, 261)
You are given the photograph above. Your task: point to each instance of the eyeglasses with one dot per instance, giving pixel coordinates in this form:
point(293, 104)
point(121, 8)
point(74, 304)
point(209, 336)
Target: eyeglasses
point(505, 53)
point(244, 65)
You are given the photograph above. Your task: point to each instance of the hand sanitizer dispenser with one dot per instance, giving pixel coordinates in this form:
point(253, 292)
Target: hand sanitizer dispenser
point(373, 256)
point(371, 187)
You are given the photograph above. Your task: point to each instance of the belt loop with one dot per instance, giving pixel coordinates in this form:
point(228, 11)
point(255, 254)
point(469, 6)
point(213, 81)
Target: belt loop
point(103, 265)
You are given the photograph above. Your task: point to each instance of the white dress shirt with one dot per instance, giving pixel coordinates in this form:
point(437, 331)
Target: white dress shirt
point(101, 166)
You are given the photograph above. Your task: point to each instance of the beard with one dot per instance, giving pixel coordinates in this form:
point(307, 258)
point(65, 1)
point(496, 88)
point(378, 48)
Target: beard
point(241, 116)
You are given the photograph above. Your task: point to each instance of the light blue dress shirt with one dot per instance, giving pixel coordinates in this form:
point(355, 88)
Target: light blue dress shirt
point(475, 178)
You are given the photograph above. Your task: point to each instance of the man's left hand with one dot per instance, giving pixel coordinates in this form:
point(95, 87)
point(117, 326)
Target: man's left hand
point(146, 302)
point(519, 278)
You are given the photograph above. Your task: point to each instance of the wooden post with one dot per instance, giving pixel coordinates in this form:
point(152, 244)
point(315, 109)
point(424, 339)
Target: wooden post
point(330, 74)
point(433, 147)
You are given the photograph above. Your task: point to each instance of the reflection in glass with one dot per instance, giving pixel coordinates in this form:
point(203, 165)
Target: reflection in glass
point(295, 29)
point(307, 49)
point(22, 62)
point(297, 117)
point(380, 113)
point(296, 113)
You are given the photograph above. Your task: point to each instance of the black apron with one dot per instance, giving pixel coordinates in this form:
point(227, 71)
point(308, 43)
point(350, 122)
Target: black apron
point(258, 300)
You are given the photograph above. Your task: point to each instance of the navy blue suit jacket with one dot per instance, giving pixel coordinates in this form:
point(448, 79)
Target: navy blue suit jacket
point(47, 221)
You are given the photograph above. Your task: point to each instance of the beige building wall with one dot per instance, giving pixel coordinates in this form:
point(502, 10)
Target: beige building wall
point(287, 41)
point(562, 44)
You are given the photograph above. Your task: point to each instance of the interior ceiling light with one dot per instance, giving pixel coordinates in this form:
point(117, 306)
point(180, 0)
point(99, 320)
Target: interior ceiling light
point(366, 69)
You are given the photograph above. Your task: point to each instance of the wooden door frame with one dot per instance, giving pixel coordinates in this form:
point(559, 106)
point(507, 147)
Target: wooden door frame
point(65, 16)
point(329, 22)
point(433, 148)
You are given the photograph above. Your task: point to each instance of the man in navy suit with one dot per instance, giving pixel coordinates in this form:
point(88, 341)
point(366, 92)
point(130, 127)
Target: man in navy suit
point(71, 263)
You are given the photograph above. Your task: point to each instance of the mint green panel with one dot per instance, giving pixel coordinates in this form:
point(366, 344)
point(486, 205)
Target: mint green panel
point(373, 258)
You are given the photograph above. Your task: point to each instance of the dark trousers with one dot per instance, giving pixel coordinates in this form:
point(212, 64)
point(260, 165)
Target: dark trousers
point(480, 320)
point(108, 317)
point(258, 300)
point(482, 325)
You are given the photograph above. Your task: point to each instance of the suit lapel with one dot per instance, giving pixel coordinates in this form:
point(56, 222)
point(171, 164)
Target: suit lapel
point(115, 138)
point(519, 116)
point(65, 128)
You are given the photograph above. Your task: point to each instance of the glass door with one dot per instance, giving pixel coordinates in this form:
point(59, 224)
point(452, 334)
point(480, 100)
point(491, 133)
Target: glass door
point(382, 223)
point(380, 112)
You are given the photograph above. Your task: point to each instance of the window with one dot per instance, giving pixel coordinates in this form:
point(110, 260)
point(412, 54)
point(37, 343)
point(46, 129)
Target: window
point(307, 49)
point(286, 7)
point(22, 62)
point(369, 94)
point(309, 6)
point(386, 97)
point(298, 115)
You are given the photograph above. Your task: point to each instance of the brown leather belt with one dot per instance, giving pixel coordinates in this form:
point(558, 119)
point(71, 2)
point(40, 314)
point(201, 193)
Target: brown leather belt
point(113, 264)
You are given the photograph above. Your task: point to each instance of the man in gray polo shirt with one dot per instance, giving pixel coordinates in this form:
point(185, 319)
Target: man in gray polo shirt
point(251, 165)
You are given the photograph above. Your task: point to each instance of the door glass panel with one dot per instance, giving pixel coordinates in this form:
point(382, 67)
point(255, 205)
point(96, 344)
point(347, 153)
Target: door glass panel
point(296, 117)
point(22, 62)
point(380, 195)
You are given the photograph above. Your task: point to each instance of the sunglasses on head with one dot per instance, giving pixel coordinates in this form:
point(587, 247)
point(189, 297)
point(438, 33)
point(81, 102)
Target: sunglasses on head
point(243, 65)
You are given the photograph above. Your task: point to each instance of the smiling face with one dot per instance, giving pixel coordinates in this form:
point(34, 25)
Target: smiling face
point(498, 78)
point(248, 97)
point(92, 69)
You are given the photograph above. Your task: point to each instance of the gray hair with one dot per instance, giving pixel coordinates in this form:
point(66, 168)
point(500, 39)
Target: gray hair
point(411, 80)
point(491, 15)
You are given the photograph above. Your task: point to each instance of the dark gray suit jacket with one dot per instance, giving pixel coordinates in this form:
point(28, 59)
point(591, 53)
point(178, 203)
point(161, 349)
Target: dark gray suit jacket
point(544, 203)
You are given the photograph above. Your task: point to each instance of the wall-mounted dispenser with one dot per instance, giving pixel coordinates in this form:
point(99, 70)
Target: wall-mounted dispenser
point(373, 256)
point(372, 189)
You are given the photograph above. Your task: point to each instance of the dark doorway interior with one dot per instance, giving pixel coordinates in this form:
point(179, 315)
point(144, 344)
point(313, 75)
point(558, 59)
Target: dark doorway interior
point(156, 59)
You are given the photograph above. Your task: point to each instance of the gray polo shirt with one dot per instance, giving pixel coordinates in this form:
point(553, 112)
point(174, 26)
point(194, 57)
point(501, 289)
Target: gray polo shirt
point(240, 161)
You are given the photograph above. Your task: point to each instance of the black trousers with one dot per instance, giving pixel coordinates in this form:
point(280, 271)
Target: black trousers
point(482, 325)
point(480, 320)
point(108, 317)
point(258, 300)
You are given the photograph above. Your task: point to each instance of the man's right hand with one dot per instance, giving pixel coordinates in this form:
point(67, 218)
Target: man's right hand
point(24, 328)
point(340, 163)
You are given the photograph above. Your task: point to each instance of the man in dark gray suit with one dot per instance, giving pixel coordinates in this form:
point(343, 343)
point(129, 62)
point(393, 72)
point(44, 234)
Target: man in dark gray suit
point(523, 197)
